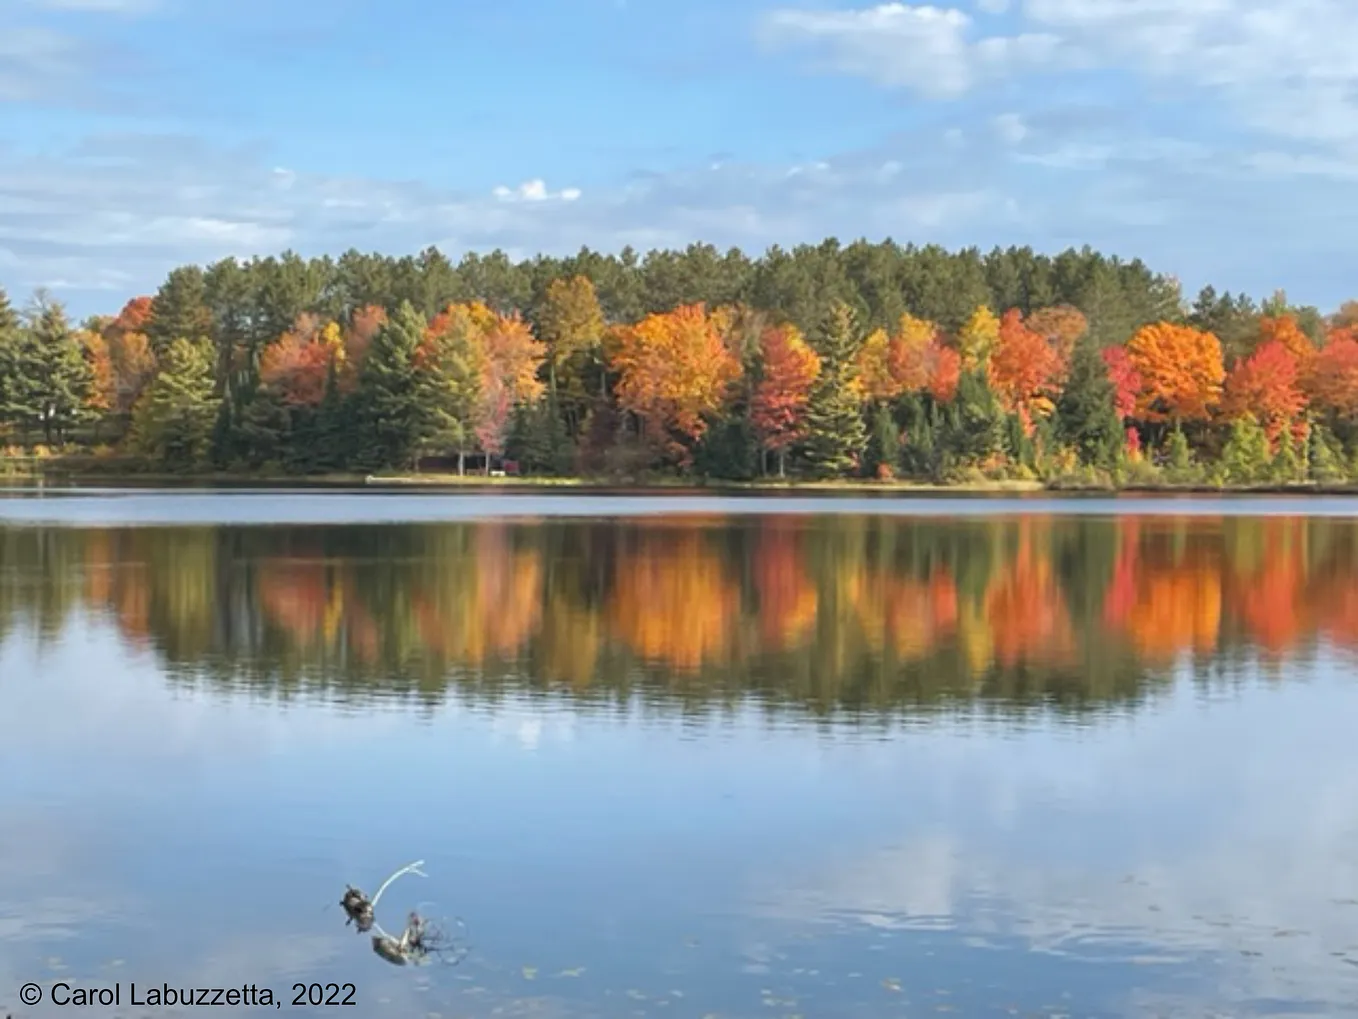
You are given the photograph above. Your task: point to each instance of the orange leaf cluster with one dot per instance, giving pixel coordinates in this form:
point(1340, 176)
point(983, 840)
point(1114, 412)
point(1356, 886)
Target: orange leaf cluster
point(103, 393)
point(1061, 326)
point(1181, 372)
point(1025, 369)
point(297, 364)
point(913, 350)
point(1331, 377)
point(673, 370)
point(1283, 330)
point(1266, 385)
point(778, 409)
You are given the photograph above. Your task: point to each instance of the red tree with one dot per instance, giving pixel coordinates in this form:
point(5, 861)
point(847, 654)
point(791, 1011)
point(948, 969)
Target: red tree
point(779, 405)
point(1266, 384)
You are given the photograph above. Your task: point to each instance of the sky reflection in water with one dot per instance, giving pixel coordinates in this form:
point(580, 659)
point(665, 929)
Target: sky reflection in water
point(827, 767)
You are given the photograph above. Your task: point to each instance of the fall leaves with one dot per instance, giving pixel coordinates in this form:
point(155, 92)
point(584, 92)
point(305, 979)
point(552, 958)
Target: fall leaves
point(827, 385)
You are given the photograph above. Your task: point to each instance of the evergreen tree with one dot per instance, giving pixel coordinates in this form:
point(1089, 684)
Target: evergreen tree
point(47, 378)
point(179, 309)
point(1246, 458)
point(1287, 464)
point(884, 442)
point(332, 447)
point(9, 362)
point(450, 387)
point(974, 423)
point(1180, 457)
point(834, 421)
point(1085, 415)
point(1325, 457)
point(392, 414)
point(174, 420)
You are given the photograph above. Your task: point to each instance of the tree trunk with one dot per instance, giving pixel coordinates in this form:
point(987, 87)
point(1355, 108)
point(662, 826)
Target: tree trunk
point(782, 460)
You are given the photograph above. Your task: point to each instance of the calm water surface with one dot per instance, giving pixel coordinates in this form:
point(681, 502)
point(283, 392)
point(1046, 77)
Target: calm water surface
point(687, 757)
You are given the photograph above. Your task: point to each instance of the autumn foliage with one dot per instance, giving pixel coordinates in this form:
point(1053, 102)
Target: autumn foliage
point(673, 373)
point(1181, 372)
point(779, 406)
point(1266, 385)
point(1025, 369)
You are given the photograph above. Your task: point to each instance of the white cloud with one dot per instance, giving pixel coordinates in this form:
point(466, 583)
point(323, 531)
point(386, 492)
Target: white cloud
point(923, 48)
point(1286, 66)
point(534, 191)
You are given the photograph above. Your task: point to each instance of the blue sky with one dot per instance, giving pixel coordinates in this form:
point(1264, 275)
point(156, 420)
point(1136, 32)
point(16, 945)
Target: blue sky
point(1217, 139)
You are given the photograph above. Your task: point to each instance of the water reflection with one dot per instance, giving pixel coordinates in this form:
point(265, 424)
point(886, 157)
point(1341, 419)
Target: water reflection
point(822, 615)
point(825, 766)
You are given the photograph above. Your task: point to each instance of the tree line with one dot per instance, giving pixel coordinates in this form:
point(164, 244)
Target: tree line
point(826, 361)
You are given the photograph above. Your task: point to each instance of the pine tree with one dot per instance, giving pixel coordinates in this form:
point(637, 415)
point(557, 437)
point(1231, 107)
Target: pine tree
point(332, 432)
point(450, 385)
point(1180, 457)
point(1085, 414)
point(834, 421)
point(9, 362)
point(1287, 461)
point(1246, 458)
point(884, 442)
point(1325, 457)
point(391, 414)
point(179, 309)
point(175, 418)
point(974, 422)
point(47, 377)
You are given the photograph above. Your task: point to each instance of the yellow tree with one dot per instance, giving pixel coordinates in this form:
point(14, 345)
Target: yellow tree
point(876, 382)
point(978, 338)
point(571, 325)
point(674, 372)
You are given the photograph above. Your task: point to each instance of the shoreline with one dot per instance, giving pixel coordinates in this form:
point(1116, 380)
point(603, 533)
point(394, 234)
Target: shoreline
point(84, 476)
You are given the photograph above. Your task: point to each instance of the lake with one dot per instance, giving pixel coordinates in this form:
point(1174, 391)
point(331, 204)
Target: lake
point(682, 755)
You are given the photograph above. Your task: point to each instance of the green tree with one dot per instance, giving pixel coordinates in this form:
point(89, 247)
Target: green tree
point(1325, 457)
point(834, 420)
point(174, 419)
point(1085, 415)
point(1287, 465)
point(450, 386)
point(47, 377)
point(1246, 458)
point(389, 397)
point(180, 310)
point(884, 441)
point(974, 423)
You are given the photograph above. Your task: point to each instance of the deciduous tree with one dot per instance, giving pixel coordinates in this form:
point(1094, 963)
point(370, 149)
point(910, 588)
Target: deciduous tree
point(779, 408)
point(1025, 370)
point(673, 373)
point(1181, 372)
point(1266, 387)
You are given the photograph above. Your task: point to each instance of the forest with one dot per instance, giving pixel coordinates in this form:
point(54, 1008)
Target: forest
point(860, 361)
